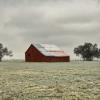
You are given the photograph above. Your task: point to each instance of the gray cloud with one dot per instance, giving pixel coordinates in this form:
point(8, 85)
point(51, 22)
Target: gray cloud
point(66, 23)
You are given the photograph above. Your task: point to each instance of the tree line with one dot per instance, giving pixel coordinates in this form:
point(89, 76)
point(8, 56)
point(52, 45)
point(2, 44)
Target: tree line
point(87, 51)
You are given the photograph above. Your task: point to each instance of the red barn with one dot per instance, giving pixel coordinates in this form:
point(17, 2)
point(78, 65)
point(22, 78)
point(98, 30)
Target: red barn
point(45, 53)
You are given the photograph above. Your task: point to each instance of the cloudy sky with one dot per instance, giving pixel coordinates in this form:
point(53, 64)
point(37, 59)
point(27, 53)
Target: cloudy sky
point(66, 23)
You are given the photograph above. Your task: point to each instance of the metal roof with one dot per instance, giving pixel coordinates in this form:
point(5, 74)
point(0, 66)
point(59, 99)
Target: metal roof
point(50, 50)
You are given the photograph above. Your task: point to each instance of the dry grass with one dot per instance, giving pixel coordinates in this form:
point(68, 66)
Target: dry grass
point(76, 80)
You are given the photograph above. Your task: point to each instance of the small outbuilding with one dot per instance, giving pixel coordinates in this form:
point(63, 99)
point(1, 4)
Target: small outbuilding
point(45, 53)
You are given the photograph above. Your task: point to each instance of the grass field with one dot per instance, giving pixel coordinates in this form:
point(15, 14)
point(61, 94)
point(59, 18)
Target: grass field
point(77, 80)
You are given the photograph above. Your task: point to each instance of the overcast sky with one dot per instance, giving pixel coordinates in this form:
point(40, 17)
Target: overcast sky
point(66, 23)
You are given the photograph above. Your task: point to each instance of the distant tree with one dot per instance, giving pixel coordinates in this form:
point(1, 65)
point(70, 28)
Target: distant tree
point(88, 51)
point(4, 52)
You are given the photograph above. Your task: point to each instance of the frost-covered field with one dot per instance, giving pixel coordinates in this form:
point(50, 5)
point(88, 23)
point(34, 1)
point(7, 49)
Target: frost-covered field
point(77, 80)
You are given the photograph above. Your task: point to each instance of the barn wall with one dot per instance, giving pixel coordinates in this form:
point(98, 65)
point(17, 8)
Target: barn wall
point(33, 55)
point(57, 59)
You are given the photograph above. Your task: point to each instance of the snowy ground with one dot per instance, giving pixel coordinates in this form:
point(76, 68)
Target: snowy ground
point(77, 80)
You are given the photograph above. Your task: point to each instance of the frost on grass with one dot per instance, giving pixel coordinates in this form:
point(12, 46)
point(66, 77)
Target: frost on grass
point(50, 81)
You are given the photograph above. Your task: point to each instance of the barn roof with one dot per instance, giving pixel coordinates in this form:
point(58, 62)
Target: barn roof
point(50, 50)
